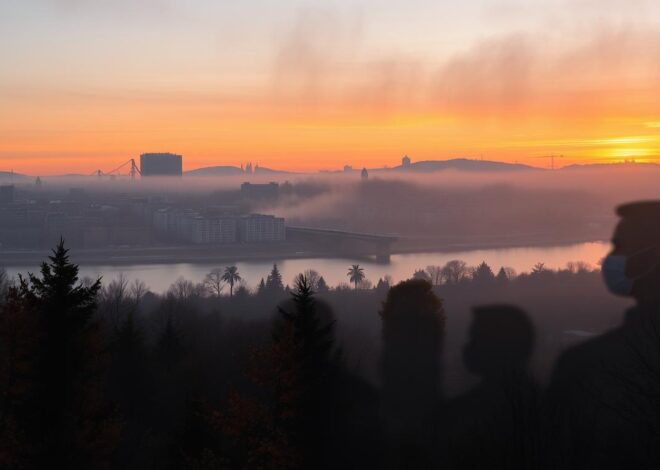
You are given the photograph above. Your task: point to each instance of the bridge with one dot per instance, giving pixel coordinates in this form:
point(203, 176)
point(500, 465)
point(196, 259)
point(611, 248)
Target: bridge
point(342, 242)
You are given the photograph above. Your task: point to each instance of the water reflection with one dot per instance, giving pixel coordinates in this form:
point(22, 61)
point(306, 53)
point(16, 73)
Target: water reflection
point(159, 276)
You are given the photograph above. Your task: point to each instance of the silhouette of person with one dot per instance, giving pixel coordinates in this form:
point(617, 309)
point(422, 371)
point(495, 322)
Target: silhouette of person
point(604, 396)
point(494, 424)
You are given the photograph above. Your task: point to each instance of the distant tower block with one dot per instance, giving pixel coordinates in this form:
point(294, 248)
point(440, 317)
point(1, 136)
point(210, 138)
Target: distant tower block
point(364, 174)
point(161, 164)
point(405, 161)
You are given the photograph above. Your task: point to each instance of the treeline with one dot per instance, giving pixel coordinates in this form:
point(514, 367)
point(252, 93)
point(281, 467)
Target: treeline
point(97, 375)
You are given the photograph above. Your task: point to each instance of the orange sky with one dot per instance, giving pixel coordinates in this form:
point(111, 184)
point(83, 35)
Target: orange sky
point(323, 96)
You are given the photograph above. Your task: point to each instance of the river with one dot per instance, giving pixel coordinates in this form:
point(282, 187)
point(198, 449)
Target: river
point(159, 277)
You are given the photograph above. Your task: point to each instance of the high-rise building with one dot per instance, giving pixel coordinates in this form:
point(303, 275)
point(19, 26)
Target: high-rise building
point(256, 228)
point(161, 164)
point(405, 161)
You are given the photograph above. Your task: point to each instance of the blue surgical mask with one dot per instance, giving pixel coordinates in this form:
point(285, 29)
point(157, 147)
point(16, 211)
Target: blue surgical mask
point(614, 274)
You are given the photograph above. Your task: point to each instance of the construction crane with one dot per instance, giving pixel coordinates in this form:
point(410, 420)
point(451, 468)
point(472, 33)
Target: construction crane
point(552, 159)
point(132, 172)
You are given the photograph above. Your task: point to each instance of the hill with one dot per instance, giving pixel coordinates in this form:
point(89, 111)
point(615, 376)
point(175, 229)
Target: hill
point(463, 164)
point(215, 171)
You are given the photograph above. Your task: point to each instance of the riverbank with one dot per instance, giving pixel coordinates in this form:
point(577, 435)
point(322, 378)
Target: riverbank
point(197, 254)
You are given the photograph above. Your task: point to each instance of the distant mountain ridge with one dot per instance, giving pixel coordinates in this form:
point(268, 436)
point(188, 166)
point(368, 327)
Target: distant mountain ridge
point(226, 170)
point(463, 164)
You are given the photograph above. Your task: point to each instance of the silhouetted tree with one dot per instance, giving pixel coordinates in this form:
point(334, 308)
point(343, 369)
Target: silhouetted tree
point(231, 276)
point(454, 271)
point(321, 285)
point(4, 284)
point(435, 274)
point(261, 288)
point(355, 274)
point(313, 278)
point(274, 280)
point(483, 274)
point(382, 285)
point(502, 277)
point(422, 275)
point(539, 268)
point(71, 427)
point(213, 281)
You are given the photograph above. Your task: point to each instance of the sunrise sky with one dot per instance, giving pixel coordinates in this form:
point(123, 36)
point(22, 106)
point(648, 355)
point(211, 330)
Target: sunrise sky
point(87, 84)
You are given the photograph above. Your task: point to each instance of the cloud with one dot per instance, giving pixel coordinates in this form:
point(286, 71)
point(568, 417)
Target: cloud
point(323, 64)
point(494, 73)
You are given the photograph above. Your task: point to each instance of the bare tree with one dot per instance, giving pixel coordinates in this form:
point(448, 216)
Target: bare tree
point(578, 267)
point(422, 275)
point(4, 284)
point(114, 299)
point(510, 272)
point(539, 268)
point(455, 271)
point(183, 289)
point(215, 282)
point(435, 274)
point(312, 277)
point(365, 284)
point(138, 289)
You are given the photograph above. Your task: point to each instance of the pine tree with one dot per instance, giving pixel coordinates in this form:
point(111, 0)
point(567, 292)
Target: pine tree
point(308, 340)
point(261, 288)
point(483, 274)
point(274, 280)
point(72, 425)
point(322, 286)
point(502, 277)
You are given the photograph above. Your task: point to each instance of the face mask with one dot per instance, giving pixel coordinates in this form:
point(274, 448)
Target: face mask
point(614, 275)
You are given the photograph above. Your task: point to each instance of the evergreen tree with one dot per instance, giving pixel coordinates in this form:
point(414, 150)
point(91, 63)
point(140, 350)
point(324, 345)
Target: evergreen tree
point(71, 426)
point(261, 288)
point(502, 277)
point(483, 274)
point(274, 280)
point(307, 338)
point(322, 286)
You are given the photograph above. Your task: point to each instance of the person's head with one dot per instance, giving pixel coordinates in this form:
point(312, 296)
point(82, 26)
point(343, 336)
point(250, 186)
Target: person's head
point(633, 266)
point(501, 340)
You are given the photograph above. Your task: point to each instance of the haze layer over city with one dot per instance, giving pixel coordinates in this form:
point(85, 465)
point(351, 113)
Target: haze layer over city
point(358, 234)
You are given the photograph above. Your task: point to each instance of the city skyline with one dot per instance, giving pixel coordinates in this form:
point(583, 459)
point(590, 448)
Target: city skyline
point(298, 87)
